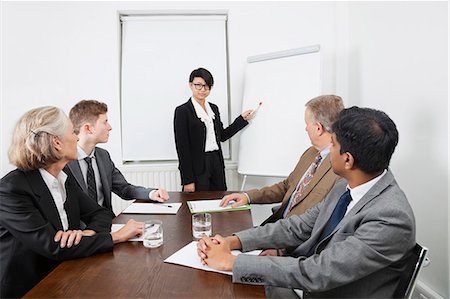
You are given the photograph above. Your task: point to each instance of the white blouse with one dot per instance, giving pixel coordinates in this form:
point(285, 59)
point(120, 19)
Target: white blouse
point(58, 190)
point(207, 118)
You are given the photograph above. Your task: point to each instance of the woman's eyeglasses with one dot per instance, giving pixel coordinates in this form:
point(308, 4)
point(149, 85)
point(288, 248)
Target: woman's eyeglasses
point(199, 86)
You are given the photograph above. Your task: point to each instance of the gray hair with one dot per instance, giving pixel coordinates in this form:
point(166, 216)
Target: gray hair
point(325, 110)
point(32, 143)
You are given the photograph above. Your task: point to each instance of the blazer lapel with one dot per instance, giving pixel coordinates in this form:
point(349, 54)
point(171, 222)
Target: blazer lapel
point(72, 209)
point(373, 192)
point(44, 198)
point(75, 168)
point(106, 188)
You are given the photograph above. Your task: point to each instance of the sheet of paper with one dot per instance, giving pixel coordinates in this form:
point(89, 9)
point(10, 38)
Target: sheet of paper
point(153, 208)
point(116, 227)
point(187, 256)
point(212, 205)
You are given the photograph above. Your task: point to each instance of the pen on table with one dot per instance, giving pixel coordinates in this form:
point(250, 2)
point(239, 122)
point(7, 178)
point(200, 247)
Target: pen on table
point(166, 205)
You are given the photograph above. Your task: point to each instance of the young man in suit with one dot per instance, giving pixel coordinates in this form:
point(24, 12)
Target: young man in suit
point(312, 178)
point(354, 244)
point(94, 170)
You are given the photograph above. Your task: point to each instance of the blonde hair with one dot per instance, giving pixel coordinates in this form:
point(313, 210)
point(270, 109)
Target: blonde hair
point(325, 110)
point(32, 142)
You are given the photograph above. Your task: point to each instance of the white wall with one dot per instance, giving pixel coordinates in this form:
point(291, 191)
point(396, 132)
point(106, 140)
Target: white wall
point(390, 56)
point(56, 53)
point(398, 62)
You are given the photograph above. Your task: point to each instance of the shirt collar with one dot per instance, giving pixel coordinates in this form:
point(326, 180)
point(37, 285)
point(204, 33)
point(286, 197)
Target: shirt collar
point(324, 153)
point(359, 191)
point(50, 180)
point(200, 112)
point(82, 154)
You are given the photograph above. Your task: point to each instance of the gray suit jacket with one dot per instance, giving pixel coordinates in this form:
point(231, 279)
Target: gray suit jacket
point(112, 179)
point(362, 258)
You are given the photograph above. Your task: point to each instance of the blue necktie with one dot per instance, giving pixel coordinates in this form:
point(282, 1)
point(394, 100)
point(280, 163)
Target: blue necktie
point(338, 214)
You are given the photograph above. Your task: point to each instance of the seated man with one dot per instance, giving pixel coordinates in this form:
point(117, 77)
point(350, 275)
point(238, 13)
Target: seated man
point(312, 178)
point(354, 244)
point(94, 170)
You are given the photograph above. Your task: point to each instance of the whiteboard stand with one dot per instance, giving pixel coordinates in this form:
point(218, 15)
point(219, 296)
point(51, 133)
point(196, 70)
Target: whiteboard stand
point(243, 182)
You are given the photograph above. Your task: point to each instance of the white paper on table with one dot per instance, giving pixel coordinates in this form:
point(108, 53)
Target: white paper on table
point(187, 256)
point(212, 205)
point(116, 227)
point(152, 208)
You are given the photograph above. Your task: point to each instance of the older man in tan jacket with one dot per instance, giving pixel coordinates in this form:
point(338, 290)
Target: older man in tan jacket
point(313, 177)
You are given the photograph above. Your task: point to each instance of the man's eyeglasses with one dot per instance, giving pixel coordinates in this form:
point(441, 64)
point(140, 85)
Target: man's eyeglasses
point(199, 86)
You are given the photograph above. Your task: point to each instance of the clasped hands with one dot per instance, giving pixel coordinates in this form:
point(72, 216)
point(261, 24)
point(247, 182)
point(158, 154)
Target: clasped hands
point(216, 251)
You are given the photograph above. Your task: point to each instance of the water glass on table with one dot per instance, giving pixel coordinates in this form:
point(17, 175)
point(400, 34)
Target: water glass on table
point(201, 225)
point(153, 233)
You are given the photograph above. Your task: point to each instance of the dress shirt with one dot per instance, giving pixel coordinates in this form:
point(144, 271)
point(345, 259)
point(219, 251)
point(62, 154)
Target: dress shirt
point(207, 118)
point(58, 191)
point(359, 191)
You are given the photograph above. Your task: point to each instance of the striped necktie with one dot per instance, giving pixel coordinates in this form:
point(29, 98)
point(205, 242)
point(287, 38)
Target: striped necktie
point(306, 180)
point(91, 185)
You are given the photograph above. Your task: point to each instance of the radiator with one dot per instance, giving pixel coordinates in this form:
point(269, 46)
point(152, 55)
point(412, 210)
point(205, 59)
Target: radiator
point(162, 175)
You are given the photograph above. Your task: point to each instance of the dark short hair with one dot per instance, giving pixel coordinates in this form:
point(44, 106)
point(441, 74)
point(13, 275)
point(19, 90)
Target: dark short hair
point(204, 74)
point(369, 135)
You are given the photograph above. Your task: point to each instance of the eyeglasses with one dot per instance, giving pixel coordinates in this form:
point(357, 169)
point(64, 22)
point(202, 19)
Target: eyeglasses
point(199, 86)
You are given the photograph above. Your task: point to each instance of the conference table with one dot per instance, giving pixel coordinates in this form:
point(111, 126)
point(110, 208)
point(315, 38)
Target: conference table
point(133, 271)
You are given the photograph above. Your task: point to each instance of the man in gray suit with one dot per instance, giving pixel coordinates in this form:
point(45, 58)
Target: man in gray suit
point(354, 244)
point(94, 170)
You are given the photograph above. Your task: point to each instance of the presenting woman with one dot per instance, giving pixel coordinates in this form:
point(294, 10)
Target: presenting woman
point(41, 206)
point(198, 134)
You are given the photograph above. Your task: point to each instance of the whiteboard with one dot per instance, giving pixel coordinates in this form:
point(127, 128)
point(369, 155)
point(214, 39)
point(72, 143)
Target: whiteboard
point(283, 81)
point(158, 54)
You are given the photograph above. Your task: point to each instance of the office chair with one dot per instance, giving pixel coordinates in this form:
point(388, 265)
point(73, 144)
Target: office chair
point(409, 277)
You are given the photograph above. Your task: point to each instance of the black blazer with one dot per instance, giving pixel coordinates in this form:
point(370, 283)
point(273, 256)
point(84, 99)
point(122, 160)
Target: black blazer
point(190, 139)
point(29, 221)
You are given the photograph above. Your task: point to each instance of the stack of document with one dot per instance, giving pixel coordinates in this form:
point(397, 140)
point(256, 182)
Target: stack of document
point(152, 208)
point(212, 205)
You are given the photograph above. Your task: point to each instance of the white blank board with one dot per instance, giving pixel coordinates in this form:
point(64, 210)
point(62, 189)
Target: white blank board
point(158, 54)
point(272, 144)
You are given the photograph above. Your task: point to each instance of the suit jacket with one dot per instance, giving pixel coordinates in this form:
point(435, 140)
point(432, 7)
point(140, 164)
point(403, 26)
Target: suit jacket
point(322, 182)
point(362, 258)
point(29, 221)
point(112, 179)
point(190, 139)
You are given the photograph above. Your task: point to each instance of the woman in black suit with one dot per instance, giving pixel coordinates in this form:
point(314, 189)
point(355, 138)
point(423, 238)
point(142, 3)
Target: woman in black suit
point(198, 134)
point(41, 206)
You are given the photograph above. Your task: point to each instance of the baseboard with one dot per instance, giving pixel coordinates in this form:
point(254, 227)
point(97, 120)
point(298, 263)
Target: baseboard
point(423, 291)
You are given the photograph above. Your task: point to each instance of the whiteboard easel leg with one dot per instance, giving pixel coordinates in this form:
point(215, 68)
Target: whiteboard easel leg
point(243, 182)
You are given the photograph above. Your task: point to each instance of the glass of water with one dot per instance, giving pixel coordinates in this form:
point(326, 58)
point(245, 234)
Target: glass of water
point(201, 224)
point(153, 233)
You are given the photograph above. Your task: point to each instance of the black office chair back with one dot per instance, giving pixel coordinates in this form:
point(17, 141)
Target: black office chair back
point(409, 277)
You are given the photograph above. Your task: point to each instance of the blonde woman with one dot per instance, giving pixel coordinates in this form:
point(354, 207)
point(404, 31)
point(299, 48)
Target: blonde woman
point(41, 206)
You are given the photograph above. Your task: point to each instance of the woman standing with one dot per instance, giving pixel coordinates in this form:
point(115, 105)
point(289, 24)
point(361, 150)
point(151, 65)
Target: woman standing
point(41, 206)
point(198, 133)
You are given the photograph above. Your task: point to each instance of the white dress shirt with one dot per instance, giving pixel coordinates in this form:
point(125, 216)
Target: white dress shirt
point(207, 118)
point(359, 191)
point(58, 190)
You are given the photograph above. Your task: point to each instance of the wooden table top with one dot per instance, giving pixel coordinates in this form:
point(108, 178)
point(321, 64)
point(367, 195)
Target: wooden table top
point(133, 271)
